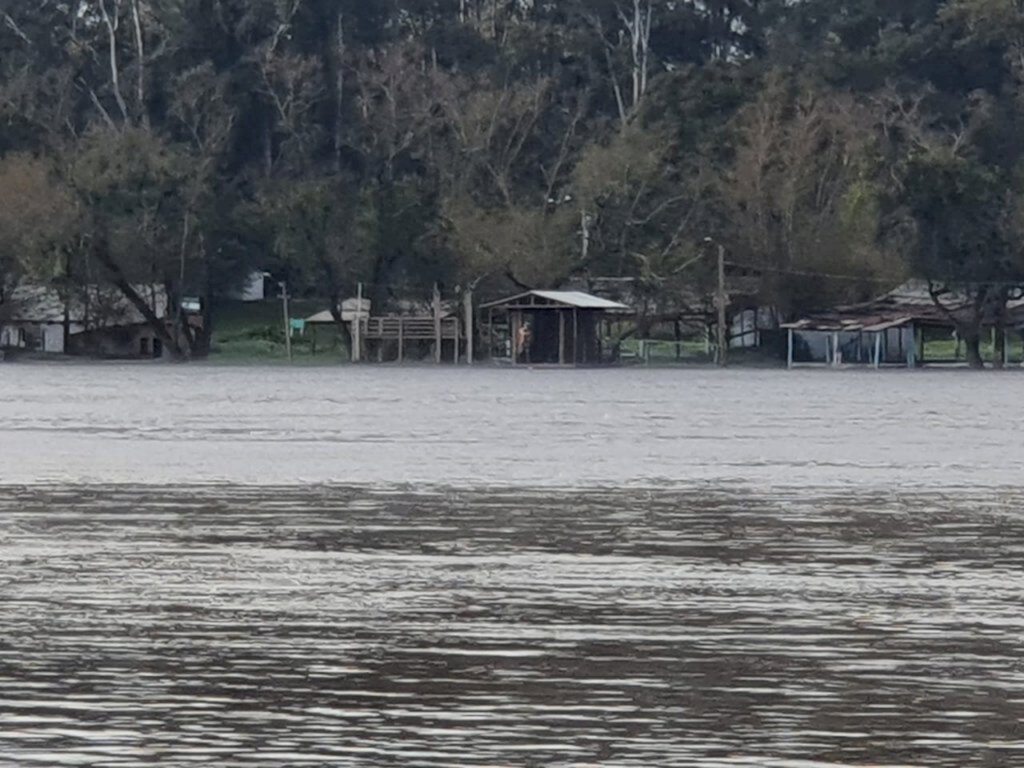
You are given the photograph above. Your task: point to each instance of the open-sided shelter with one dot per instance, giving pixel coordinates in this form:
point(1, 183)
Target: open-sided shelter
point(549, 327)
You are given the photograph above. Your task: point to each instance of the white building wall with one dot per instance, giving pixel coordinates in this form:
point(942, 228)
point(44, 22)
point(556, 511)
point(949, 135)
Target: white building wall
point(53, 339)
point(252, 288)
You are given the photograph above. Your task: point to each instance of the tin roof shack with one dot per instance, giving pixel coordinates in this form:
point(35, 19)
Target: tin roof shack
point(94, 321)
point(892, 330)
point(550, 327)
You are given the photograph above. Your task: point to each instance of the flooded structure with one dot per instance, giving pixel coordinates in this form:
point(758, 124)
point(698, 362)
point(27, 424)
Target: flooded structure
point(560, 328)
point(891, 330)
point(95, 321)
point(408, 330)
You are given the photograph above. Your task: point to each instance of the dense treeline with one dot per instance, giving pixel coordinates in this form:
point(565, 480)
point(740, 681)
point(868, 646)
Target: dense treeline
point(836, 145)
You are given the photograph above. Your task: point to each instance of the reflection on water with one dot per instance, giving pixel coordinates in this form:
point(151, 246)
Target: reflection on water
point(243, 626)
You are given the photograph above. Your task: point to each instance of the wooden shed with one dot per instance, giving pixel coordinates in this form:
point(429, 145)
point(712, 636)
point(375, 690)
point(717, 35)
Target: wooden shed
point(549, 327)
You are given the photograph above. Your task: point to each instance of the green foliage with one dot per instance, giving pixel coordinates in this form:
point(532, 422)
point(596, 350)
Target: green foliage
point(833, 146)
point(38, 219)
point(960, 207)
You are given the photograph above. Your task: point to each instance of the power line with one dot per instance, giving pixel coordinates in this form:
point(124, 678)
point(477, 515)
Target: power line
point(860, 278)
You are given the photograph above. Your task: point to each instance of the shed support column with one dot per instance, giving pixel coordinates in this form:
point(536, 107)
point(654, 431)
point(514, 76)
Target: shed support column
point(789, 350)
point(878, 351)
point(575, 336)
point(561, 338)
point(837, 359)
point(401, 340)
point(513, 325)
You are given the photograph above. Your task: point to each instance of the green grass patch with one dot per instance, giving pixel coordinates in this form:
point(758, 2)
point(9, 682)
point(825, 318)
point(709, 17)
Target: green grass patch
point(254, 332)
point(945, 350)
point(661, 352)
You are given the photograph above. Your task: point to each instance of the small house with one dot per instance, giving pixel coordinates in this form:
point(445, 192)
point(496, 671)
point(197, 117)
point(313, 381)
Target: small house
point(97, 321)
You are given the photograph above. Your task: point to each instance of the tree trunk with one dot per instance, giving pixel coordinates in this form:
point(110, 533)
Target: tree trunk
point(999, 348)
point(972, 344)
point(344, 337)
point(117, 277)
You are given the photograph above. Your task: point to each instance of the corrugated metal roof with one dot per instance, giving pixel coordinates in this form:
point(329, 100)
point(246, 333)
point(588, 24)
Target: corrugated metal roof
point(576, 299)
point(886, 325)
point(579, 299)
point(95, 306)
point(868, 324)
point(321, 317)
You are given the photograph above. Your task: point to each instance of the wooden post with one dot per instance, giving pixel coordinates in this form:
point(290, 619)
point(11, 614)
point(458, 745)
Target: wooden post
point(287, 321)
point(437, 324)
point(514, 320)
point(467, 303)
point(561, 337)
point(789, 351)
point(721, 299)
point(490, 333)
point(357, 327)
point(878, 350)
point(401, 340)
point(455, 341)
point(837, 359)
point(575, 336)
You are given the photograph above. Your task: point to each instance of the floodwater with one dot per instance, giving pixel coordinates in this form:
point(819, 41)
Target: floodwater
point(417, 567)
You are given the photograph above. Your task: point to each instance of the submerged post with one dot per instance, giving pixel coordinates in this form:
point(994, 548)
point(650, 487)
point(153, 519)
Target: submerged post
point(722, 300)
point(437, 324)
point(878, 350)
point(287, 320)
point(789, 351)
point(467, 303)
point(357, 327)
point(837, 357)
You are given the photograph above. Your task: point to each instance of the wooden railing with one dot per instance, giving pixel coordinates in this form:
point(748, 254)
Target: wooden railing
point(412, 328)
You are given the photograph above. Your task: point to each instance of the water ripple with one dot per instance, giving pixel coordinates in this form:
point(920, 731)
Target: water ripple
point(510, 627)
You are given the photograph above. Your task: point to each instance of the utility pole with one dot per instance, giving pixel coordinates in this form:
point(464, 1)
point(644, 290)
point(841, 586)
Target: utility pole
point(437, 324)
point(467, 303)
point(722, 299)
point(357, 328)
point(287, 319)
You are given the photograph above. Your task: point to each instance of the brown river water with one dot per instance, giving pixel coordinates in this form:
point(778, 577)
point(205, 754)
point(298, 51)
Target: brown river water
point(418, 567)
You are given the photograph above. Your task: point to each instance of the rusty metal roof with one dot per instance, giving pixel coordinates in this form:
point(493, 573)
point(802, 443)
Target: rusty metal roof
point(909, 303)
